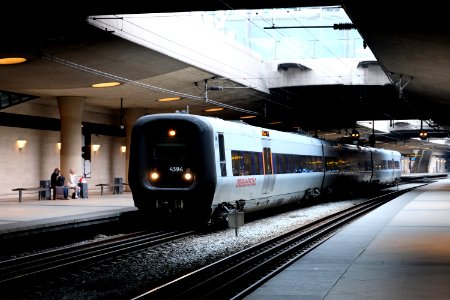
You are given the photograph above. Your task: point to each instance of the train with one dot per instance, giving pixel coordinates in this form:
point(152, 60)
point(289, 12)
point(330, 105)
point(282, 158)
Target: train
point(199, 169)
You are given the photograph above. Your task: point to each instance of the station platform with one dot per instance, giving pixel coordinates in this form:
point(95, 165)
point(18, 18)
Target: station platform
point(31, 214)
point(401, 250)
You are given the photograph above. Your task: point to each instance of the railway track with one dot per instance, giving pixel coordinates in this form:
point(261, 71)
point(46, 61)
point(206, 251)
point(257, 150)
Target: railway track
point(23, 268)
point(237, 275)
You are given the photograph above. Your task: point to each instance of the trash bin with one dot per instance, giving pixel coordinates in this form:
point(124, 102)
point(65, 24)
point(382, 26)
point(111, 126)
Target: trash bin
point(44, 194)
point(83, 190)
point(118, 185)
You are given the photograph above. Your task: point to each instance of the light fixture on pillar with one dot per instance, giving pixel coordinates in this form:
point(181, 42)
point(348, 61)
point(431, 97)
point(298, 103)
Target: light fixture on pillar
point(59, 145)
point(95, 148)
point(21, 143)
point(123, 149)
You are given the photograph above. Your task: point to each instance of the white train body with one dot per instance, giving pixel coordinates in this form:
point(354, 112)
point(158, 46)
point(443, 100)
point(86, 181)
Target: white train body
point(210, 166)
point(263, 190)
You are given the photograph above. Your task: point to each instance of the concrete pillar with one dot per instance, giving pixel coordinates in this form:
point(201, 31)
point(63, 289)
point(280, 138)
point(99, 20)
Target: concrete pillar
point(131, 115)
point(71, 112)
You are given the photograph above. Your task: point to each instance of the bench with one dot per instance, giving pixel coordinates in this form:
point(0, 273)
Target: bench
point(115, 185)
point(58, 191)
point(118, 187)
point(33, 189)
point(102, 185)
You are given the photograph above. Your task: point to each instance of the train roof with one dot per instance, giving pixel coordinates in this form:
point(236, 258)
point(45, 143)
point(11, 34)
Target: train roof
point(241, 127)
point(244, 128)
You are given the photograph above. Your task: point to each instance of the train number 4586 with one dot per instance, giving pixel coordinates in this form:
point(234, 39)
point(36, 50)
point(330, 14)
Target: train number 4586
point(176, 169)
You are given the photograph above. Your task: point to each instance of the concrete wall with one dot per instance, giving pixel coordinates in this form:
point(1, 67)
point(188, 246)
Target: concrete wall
point(40, 155)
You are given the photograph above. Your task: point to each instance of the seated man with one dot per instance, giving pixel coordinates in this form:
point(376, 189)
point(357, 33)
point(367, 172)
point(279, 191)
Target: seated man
point(57, 180)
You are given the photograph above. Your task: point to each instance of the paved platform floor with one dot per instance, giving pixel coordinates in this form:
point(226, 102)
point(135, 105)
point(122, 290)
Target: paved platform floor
point(399, 251)
point(31, 213)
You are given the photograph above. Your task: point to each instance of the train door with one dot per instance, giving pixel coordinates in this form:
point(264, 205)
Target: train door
point(269, 177)
point(222, 159)
point(373, 165)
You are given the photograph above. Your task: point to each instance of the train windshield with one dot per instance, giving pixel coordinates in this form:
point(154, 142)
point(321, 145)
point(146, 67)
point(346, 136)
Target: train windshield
point(169, 151)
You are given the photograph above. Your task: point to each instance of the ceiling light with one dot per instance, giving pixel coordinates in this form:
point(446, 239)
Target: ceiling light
point(248, 117)
point(214, 109)
point(105, 84)
point(12, 60)
point(275, 122)
point(169, 99)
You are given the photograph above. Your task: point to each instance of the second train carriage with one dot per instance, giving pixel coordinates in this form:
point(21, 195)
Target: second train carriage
point(203, 167)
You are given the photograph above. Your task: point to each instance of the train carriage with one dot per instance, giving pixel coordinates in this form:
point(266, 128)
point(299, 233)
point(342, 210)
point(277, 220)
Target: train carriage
point(196, 168)
point(386, 165)
point(267, 168)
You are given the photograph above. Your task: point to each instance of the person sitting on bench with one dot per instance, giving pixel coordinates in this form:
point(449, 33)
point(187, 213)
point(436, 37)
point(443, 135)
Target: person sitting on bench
point(56, 179)
point(73, 182)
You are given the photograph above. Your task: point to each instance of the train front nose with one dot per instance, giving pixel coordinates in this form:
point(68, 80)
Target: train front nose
point(173, 155)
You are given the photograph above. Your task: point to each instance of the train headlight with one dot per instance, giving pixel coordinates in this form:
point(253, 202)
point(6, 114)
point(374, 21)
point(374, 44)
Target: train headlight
point(171, 132)
point(187, 176)
point(154, 175)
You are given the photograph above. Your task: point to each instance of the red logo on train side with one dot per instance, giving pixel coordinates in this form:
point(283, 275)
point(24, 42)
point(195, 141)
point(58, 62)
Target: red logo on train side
point(243, 182)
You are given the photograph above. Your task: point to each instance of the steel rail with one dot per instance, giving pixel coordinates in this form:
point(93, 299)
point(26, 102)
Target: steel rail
point(240, 273)
point(24, 267)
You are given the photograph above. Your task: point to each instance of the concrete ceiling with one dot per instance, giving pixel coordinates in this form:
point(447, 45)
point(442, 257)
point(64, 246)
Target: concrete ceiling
point(66, 56)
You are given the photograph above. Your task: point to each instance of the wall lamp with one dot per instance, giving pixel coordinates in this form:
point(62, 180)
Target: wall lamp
point(59, 145)
point(95, 148)
point(123, 149)
point(21, 144)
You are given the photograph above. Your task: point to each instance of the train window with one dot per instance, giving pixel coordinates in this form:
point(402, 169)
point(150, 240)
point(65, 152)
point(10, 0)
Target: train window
point(256, 163)
point(390, 164)
point(236, 158)
point(353, 163)
point(223, 163)
point(251, 163)
point(298, 168)
point(396, 164)
point(280, 163)
point(267, 160)
point(246, 163)
point(170, 151)
point(307, 164)
point(381, 165)
point(314, 164)
point(291, 163)
point(247, 167)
